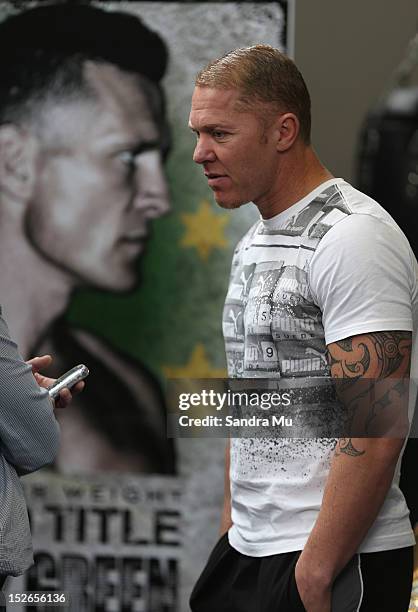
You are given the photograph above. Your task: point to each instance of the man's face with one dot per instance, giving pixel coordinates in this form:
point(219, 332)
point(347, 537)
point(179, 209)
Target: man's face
point(238, 156)
point(100, 181)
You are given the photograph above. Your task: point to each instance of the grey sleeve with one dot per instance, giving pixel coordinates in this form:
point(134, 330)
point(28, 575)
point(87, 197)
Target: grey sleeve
point(29, 432)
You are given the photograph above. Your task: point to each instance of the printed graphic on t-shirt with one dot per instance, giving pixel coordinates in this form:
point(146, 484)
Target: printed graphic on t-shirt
point(271, 325)
point(274, 329)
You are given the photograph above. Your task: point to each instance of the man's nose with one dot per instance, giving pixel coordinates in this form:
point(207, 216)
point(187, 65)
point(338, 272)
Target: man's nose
point(203, 151)
point(152, 194)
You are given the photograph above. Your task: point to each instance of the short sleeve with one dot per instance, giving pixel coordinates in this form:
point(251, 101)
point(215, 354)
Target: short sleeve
point(363, 278)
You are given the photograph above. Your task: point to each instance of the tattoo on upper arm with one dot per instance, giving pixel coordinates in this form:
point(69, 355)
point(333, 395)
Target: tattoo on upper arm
point(375, 356)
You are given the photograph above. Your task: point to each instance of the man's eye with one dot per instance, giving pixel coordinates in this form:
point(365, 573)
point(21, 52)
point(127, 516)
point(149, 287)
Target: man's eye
point(127, 158)
point(218, 134)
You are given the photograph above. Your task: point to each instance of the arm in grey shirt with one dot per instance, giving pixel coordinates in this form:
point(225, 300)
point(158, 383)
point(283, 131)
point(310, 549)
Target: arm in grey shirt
point(29, 432)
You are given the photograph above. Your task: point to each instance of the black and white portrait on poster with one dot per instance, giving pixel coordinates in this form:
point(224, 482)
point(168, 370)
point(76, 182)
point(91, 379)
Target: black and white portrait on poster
point(95, 268)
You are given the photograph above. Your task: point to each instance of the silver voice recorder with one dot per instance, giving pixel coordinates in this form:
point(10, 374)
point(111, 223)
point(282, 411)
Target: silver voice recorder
point(68, 380)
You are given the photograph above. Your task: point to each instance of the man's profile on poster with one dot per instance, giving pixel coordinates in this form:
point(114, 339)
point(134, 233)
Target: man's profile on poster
point(83, 138)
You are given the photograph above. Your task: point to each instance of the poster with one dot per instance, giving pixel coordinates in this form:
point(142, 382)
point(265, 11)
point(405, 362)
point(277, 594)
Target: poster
point(163, 322)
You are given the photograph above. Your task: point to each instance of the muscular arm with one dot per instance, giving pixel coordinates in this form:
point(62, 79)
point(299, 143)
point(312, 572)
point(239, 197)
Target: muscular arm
point(362, 468)
point(226, 521)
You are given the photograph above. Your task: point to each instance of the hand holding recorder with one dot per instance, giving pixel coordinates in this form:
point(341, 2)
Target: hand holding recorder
point(62, 389)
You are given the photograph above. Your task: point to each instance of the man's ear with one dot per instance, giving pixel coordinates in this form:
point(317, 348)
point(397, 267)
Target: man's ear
point(17, 161)
point(287, 131)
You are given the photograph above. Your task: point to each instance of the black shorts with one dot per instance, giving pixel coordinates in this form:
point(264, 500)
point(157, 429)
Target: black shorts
point(232, 582)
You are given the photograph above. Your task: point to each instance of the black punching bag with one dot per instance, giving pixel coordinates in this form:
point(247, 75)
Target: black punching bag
point(388, 172)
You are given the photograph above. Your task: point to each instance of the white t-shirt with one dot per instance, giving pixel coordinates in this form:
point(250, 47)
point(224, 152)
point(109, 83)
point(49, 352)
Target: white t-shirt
point(332, 266)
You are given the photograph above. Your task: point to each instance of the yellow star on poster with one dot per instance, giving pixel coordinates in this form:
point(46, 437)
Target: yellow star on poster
point(197, 367)
point(204, 230)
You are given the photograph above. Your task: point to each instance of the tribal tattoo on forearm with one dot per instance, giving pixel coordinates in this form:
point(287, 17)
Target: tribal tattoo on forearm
point(383, 359)
point(345, 446)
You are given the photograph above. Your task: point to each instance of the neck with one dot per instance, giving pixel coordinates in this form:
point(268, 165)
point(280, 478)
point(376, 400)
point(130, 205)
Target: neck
point(33, 292)
point(299, 173)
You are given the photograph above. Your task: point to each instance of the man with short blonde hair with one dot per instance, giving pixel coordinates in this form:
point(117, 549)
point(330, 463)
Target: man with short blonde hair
point(262, 74)
point(323, 287)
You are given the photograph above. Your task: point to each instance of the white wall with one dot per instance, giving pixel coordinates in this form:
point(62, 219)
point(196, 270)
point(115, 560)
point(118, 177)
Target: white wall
point(346, 51)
